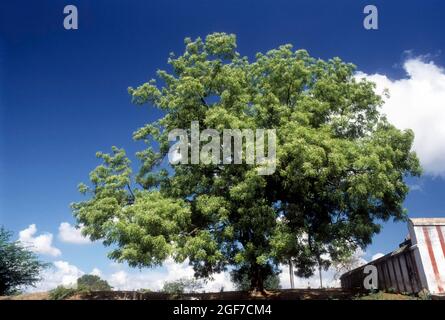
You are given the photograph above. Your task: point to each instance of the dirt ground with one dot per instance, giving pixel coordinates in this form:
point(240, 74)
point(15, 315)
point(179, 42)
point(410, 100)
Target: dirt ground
point(28, 296)
point(287, 294)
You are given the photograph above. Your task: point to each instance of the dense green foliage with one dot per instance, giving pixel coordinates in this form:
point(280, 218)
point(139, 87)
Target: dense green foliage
point(85, 284)
point(242, 282)
point(181, 286)
point(19, 267)
point(340, 167)
point(91, 282)
point(62, 293)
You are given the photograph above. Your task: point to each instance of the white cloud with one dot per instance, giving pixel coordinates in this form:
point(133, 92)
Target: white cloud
point(377, 256)
point(119, 280)
point(39, 244)
point(69, 234)
point(418, 102)
point(183, 270)
point(220, 280)
point(96, 272)
point(66, 274)
point(61, 273)
point(330, 277)
point(154, 279)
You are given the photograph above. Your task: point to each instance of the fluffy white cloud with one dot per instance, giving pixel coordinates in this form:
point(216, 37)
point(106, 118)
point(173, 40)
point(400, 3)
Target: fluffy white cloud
point(69, 234)
point(66, 274)
point(377, 256)
point(154, 279)
point(96, 272)
point(39, 244)
point(183, 270)
point(219, 280)
point(119, 280)
point(61, 273)
point(418, 102)
point(330, 277)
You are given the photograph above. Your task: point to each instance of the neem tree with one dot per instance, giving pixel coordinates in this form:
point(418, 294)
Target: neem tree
point(19, 267)
point(340, 167)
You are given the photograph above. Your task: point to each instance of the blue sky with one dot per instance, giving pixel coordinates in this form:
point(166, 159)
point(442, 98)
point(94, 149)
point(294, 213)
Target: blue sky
point(63, 94)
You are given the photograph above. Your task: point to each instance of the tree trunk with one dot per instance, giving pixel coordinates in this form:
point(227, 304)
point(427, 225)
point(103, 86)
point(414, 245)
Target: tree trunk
point(321, 278)
point(291, 274)
point(257, 281)
point(2, 289)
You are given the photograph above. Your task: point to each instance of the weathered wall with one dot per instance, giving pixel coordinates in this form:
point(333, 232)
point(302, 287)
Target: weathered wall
point(397, 271)
point(418, 264)
point(427, 236)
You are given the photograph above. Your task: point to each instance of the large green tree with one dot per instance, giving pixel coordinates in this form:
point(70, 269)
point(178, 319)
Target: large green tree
point(92, 283)
point(19, 267)
point(340, 167)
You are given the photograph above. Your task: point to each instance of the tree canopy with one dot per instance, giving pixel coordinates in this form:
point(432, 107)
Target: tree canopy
point(92, 282)
point(340, 166)
point(181, 285)
point(19, 267)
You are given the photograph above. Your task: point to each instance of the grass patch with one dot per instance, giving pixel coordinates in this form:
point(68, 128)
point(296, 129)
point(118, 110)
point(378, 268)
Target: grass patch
point(380, 295)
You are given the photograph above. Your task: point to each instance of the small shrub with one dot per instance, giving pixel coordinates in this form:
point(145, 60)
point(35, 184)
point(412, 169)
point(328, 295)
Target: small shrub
point(178, 287)
point(143, 290)
point(62, 293)
point(89, 282)
point(391, 290)
point(424, 295)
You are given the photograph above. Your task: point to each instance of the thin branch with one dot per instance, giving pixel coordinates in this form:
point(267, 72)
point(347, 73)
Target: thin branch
point(203, 101)
point(288, 94)
point(131, 192)
point(192, 232)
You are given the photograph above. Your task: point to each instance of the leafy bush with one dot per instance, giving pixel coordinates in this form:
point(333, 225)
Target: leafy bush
point(242, 281)
point(61, 293)
point(19, 267)
point(391, 290)
point(182, 285)
point(424, 295)
point(89, 282)
point(85, 283)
